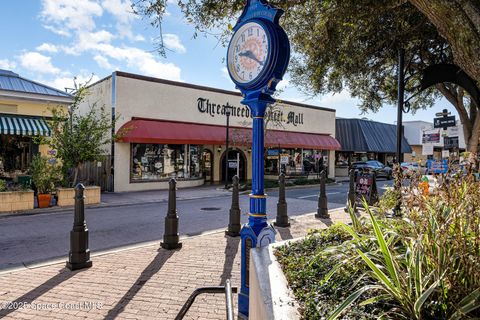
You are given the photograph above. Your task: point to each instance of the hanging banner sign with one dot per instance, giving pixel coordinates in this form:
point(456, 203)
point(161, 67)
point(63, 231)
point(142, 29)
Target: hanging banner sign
point(431, 136)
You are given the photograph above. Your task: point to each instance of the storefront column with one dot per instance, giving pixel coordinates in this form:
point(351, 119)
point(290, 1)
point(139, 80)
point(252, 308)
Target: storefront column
point(331, 164)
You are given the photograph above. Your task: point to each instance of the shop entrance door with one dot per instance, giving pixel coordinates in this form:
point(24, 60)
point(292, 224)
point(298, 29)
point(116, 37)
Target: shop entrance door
point(232, 165)
point(207, 163)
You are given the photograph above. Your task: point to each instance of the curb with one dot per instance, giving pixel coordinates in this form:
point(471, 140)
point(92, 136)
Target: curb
point(126, 204)
point(62, 260)
point(92, 206)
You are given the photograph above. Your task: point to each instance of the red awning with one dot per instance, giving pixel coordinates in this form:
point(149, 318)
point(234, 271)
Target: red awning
point(168, 132)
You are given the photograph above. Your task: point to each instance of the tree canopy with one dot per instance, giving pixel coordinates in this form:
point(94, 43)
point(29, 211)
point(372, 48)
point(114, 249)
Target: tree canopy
point(354, 45)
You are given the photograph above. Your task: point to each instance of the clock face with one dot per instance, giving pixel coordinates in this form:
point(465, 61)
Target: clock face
point(248, 52)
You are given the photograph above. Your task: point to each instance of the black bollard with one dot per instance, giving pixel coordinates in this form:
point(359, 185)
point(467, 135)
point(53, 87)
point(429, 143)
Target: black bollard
point(234, 223)
point(351, 191)
point(282, 217)
point(170, 237)
point(322, 208)
point(79, 255)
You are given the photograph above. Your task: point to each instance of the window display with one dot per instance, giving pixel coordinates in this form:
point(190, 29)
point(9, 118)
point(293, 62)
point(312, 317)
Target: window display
point(153, 162)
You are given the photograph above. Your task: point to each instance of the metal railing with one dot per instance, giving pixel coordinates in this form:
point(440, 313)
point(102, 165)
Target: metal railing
point(227, 289)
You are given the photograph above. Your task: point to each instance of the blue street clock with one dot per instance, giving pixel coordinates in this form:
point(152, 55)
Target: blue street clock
point(257, 59)
point(259, 50)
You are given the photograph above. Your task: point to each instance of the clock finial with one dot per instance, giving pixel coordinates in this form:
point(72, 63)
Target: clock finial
point(259, 9)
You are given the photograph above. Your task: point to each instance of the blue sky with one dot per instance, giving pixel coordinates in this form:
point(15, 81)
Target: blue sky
point(53, 41)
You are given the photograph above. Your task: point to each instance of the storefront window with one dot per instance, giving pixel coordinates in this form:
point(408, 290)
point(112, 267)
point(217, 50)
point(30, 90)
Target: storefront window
point(194, 162)
point(16, 153)
point(296, 161)
point(163, 161)
point(271, 162)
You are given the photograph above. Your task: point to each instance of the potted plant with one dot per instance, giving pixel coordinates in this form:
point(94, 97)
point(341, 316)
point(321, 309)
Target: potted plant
point(44, 176)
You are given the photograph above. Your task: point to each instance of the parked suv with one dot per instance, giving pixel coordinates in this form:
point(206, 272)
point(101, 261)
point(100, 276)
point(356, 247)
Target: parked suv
point(381, 170)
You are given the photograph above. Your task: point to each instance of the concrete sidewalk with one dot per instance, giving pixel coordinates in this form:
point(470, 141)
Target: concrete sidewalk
point(139, 283)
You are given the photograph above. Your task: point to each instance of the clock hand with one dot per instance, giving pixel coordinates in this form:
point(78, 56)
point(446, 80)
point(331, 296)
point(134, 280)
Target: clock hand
point(249, 54)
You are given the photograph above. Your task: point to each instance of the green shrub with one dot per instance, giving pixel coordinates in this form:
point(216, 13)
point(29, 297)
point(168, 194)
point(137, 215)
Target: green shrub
point(300, 181)
point(271, 183)
point(45, 176)
point(388, 200)
point(424, 266)
point(3, 185)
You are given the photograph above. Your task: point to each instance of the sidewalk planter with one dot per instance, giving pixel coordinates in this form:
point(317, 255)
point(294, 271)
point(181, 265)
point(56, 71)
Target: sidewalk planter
point(16, 201)
point(66, 196)
point(44, 200)
point(270, 297)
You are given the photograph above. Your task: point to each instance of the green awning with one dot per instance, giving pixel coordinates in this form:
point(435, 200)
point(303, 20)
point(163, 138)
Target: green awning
point(25, 126)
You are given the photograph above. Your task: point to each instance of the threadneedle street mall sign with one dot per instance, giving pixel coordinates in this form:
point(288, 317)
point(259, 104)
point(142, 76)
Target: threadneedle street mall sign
point(213, 109)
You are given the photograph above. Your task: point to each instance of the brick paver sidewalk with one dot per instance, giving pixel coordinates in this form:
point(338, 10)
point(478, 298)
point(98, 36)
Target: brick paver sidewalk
point(140, 283)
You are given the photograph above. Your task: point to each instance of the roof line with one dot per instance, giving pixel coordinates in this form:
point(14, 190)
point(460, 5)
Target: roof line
point(205, 88)
point(67, 95)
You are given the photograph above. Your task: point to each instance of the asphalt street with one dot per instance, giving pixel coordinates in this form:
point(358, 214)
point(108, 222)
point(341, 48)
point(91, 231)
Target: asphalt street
point(29, 239)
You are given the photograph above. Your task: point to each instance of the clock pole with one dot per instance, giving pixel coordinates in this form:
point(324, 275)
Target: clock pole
point(258, 40)
point(257, 232)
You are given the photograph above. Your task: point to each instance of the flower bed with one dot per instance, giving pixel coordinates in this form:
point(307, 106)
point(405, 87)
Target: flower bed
point(423, 266)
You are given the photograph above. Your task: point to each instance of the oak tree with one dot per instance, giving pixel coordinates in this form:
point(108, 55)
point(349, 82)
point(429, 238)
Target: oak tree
point(354, 45)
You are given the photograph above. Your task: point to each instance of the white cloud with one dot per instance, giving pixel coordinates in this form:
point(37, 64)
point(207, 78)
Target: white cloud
point(47, 47)
point(90, 40)
point(122, 11)
point(63, 82)
point(103, 62)
point(338, 99)
point(173, 42)
point(7, 64)
point(141, 60)
point(66, 15)
point(34, 61)
point(58, 30)
point(225, 73)
point(78, 17)
point(282, 85)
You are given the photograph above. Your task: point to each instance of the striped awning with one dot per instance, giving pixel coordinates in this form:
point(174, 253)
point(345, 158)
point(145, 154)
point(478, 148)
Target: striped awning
point(25, 126)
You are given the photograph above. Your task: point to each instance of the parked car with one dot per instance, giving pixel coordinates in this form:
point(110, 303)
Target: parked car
point(409, 168)
point(381, 170)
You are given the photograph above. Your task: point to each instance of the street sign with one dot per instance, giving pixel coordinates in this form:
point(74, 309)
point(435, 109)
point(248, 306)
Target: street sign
point(444, 122)
point(284, 159)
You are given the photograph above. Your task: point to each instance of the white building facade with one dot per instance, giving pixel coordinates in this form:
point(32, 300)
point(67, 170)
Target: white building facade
point(170, 129)
point(426, 140)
